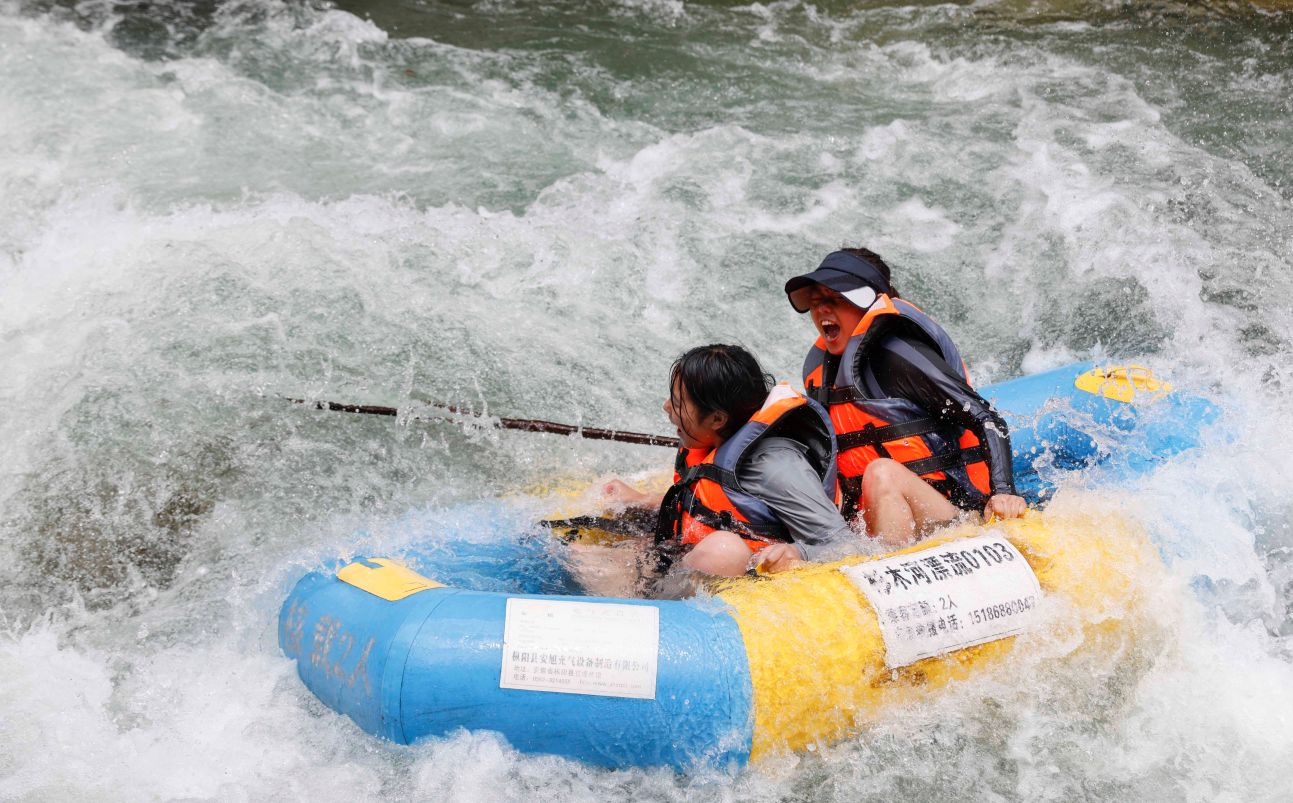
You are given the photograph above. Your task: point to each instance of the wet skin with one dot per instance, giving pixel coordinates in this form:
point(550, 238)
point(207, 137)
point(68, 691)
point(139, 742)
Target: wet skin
point(834, 315)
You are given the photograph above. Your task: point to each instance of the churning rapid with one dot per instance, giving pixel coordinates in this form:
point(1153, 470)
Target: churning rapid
point(529, 209)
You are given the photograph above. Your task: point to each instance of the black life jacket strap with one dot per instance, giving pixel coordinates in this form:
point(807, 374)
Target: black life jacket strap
point(818, 393)
point(850, 496)
point(680, 499)
point(948, 460)
point(680, 462)
point(708, 471)
point(726, 521)
point(843, 396)
point(827, 396)
point(874, 436)
point(668, 528)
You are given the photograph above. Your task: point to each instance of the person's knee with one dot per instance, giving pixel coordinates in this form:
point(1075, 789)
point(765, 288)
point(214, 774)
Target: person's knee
point(721, 553)
point(883, 478)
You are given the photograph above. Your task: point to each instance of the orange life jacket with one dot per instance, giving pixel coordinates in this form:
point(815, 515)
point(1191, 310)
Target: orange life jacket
point(867, 427)
point(707, 496)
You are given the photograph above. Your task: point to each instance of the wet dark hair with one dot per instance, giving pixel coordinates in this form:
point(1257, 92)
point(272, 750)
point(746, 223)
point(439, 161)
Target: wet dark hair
point(881, 265)
point(723, 378)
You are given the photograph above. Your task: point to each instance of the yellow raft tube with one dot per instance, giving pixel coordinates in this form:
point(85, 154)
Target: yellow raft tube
point(1095, 572)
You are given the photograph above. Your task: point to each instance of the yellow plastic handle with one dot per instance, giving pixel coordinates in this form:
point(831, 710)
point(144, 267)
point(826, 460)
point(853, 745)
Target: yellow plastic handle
point(1122, 383)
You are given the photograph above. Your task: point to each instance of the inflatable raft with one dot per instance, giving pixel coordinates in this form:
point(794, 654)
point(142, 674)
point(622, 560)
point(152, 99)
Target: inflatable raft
point(766, 664)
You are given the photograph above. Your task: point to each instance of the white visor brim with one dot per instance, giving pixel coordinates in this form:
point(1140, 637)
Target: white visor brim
point(863, 296)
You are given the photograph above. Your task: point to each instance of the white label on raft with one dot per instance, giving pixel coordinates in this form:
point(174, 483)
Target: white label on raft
point(601, 648)
point(950, 596)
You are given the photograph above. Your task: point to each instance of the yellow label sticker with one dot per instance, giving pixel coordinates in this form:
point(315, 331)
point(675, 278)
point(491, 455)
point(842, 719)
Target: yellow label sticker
point(385, 578)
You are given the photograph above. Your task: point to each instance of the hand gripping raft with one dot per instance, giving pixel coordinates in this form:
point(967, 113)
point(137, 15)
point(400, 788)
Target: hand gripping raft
point(765, 666)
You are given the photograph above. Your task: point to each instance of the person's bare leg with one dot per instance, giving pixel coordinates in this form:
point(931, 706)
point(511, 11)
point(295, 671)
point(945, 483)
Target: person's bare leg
point(609, 571)
point(720, 553)
point(898, 506)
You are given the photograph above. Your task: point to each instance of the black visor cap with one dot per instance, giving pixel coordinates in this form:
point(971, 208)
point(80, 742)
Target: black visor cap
point(841, 272)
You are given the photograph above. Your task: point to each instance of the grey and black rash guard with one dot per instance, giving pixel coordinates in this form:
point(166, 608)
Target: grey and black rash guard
point(908, 367)
point(778, 472)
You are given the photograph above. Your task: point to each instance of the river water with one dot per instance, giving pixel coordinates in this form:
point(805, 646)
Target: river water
point(530, 209)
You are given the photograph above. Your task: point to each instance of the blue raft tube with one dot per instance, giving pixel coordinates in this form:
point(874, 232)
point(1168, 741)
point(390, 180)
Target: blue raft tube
point(408, 658)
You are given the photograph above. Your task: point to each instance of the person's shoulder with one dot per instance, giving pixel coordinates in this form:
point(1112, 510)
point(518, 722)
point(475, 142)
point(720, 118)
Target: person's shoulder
point(774, 465)
point(773, 456)
point(905, 344)
point(894, 348)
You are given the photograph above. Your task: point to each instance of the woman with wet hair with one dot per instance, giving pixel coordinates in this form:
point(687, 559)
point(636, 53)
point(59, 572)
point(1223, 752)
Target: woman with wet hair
point(754, 482)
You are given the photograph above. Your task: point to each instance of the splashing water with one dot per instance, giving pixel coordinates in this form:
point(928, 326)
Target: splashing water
point(529, 209)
